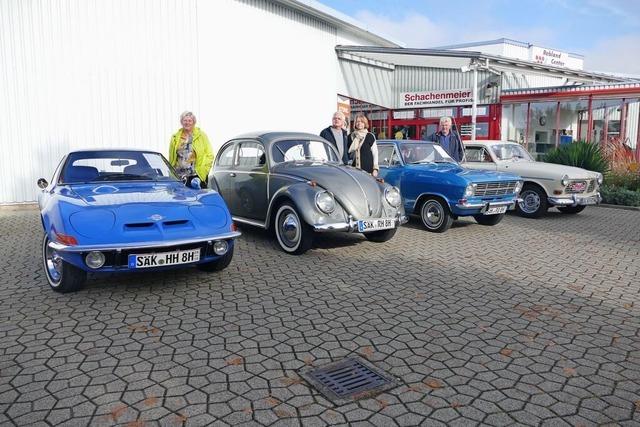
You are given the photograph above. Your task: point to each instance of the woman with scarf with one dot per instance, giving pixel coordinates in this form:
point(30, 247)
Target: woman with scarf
point(363, 150)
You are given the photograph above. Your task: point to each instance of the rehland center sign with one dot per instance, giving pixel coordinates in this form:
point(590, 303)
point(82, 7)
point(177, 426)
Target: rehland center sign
point(436, 98)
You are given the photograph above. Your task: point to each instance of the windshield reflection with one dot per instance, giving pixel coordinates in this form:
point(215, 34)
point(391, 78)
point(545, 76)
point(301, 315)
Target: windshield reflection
point(416, 153)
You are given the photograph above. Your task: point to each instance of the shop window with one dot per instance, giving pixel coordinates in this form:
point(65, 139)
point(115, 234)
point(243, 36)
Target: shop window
point(542, 120)
point(631, 121)
point(514, 122)
point(574, 122)
point(405, 114)
point(480, 111)
point(436, 113)
point(606, 120)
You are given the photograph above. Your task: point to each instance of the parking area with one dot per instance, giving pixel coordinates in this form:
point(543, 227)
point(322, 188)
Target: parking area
point(533, 322)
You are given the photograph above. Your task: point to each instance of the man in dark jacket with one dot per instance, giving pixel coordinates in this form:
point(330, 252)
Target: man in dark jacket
point(448, 139)
point(336, 135)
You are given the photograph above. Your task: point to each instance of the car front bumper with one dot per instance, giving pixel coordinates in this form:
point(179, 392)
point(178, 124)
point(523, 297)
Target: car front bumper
point(482, 207)
point(575, 200)
point(352, 225)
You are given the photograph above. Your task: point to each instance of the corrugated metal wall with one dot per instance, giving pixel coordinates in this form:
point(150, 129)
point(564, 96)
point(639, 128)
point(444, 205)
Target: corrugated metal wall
point(512, 80)
point(95, 73)
point(367, 83)
point(90, 73)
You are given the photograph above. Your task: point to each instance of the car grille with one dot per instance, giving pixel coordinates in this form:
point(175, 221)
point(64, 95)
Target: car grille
point(577, 187)
point(495, 188)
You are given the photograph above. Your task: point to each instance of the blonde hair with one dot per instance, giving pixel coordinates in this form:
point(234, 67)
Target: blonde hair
point(363, 118)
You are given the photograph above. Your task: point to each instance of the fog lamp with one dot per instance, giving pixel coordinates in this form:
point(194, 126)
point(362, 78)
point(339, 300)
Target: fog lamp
point(220, 247)
point(94, 259)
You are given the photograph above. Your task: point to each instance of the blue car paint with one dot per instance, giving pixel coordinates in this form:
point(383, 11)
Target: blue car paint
point(97, 214)
point(446, 180)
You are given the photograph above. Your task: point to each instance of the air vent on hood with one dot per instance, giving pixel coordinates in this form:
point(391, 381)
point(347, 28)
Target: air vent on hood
point(138, 225)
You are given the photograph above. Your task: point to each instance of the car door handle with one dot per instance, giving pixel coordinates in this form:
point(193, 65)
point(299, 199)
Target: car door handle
point(232, 174)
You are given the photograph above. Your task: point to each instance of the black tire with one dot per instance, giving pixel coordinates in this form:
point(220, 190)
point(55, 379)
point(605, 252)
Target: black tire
point(219, 264)
point(435, 215)
point(571, 209)
point(294, 235)
point(534, 203)
point(62, 276)
point(488, 219)
point(380, 236)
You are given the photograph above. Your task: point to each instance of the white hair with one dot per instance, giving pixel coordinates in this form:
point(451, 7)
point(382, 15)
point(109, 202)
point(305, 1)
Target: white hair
point(445, 119)
point(339, 114)
point(187, 114)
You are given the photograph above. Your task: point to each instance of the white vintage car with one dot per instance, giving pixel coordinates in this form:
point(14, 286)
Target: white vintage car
point(568, 188)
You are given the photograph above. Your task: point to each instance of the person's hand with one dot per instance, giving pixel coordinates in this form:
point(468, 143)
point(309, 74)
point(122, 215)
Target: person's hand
point(375, 172)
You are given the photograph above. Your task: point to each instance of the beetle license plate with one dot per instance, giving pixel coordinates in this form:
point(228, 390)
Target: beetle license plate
point(164, 259)
point(365, 225)
point(496, 210)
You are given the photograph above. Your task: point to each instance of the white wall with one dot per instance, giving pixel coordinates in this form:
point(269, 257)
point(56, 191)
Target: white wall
point(93, 73)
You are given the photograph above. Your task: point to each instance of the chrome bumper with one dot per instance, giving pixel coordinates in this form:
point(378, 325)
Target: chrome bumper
point(483, 206)
point(575, 200)
point(142, 245)
point(352, 225)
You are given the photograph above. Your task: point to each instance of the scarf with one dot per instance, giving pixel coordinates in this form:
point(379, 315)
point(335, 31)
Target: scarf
point(357, 138)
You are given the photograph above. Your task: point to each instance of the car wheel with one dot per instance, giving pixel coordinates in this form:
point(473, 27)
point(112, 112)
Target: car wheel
point(534, 202)
point(488, 219)
point(219, 264)
point(293, 234)
point(62, 276)
point(380, 236)
point(571, 209)
point(435, 215)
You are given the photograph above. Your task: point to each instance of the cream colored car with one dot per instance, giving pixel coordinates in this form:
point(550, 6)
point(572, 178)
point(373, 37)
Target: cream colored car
point(546, 185)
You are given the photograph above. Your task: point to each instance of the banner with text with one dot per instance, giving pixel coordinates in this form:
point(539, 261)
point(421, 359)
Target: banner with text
point(436, 98)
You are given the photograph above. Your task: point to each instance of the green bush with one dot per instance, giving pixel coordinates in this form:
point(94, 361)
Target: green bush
point(619, 196)
point(580, 154)
point(630, 181)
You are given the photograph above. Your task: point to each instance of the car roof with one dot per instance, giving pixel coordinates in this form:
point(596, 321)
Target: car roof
point(490, 142)
point(102, 150)
point(269, 137)
point(394, 141)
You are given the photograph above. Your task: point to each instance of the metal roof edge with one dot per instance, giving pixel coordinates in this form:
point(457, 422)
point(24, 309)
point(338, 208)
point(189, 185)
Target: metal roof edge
point(482, 43)
point(339, 19)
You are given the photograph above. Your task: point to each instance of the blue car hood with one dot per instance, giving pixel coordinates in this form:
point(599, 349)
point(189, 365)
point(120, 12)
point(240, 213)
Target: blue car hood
point(147, 211)
point(471, 175)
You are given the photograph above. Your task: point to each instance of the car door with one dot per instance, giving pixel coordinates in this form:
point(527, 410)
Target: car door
point(251, 180)
point(224, 176)
point(478, 157)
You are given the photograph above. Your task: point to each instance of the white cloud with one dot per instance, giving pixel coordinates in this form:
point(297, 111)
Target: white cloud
point(615, 55)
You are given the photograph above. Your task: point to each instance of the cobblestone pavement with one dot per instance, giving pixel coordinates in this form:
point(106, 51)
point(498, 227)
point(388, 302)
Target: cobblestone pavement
point(533, 322)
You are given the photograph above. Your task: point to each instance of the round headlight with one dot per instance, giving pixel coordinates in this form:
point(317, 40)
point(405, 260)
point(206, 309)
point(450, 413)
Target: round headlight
point(518, 186)
point(325, 202)
point(392, 194)
point(470, 190)
point(565, 181)
point(600, 179)
point(220, 247)
point(94, 259)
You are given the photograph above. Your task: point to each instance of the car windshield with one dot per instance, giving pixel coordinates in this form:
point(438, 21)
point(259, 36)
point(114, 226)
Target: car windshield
point(417, 152)
point(106, 166)
point(299, 150)
point(510, 151)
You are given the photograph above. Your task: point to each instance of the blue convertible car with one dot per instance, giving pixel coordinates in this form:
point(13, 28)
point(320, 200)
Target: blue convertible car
point(439, 190)
point(125, 210)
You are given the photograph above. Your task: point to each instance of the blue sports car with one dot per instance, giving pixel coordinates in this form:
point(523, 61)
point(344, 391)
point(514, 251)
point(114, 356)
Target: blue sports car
point(125, 210)
point(436, 188)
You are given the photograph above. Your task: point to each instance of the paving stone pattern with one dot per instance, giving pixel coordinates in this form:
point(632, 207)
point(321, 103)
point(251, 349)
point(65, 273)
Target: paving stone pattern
point(531, 322)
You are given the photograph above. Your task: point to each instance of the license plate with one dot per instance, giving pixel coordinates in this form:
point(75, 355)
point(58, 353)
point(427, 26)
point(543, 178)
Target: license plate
point(589, 201)
point(496, 210)
point(164, 259)
point(365, 225)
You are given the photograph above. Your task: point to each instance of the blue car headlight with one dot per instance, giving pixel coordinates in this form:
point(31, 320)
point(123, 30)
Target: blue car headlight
point(325, 202)
point(470, 191)
point(392, 195)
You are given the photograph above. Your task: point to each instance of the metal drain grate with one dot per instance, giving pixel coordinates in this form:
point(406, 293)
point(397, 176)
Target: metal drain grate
point(348, 380)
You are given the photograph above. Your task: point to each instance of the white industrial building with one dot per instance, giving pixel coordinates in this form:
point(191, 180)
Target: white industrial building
point(118, 73)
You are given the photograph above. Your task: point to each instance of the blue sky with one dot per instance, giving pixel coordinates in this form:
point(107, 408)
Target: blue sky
point(606, 32)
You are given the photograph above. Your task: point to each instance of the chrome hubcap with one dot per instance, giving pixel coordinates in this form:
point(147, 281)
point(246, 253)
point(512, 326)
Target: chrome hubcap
point(530, 201)
point(53, 263)
point(290, 229)
point(432, 214)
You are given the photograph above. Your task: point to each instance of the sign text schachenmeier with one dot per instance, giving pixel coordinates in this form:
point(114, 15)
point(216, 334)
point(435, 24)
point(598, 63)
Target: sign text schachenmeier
point(436, 98)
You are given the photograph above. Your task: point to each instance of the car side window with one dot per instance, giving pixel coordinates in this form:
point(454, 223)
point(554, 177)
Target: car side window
point(225, 158)
point(385, 155)
point(477, 155)
point(251, 155)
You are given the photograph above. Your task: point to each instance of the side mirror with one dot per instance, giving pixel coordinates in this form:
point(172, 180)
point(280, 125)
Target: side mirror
point(42, 183)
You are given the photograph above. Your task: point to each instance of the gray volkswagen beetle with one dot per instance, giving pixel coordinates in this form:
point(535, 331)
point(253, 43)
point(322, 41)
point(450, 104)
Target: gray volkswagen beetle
point(295, 184)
